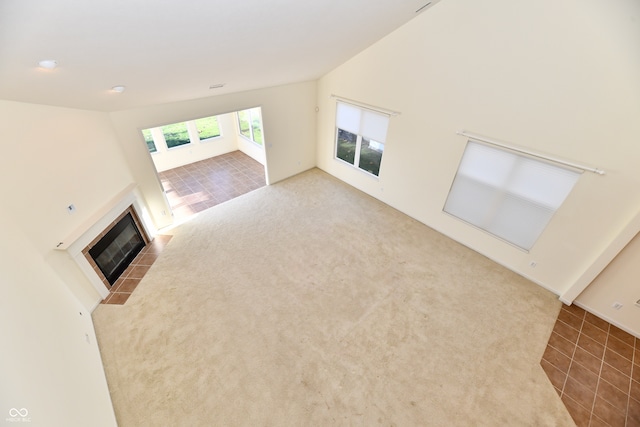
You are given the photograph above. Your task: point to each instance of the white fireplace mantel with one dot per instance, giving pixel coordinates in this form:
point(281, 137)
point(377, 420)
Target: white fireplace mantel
point(86, 232)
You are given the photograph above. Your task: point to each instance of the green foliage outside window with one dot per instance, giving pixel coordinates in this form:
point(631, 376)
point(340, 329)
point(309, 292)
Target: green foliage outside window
point(256, 127)
point(250, 123)
point(208, 127)
point(370, 156)
point(176, 134)
point(370, 151)
point(149, 140)
point(243, 120)
point(346, 146)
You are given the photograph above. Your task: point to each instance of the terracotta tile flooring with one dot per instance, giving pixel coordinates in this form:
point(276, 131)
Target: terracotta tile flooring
point(191, 189)
point(198, 186)
point(595, 368)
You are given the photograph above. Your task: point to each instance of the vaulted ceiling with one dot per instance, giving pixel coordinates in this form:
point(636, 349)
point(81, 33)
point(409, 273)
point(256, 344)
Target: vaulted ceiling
point(166, 50)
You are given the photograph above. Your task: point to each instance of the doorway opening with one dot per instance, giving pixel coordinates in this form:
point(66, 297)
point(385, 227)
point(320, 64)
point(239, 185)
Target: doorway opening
point(204, 162)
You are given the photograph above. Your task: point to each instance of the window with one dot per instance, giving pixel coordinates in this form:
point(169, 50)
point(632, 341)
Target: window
point(506, 194)
point(244, 121)
point(149, 140)
point(360, 137)
point(207, 127)
point(250, 123)
point(176, 134)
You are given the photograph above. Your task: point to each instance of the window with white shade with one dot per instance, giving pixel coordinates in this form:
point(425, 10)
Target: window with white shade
point(509, 195)
point(360, 136)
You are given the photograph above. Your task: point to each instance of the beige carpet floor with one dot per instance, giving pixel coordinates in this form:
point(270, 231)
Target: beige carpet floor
point(308, 303)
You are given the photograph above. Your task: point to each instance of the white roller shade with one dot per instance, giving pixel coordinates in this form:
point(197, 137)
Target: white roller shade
point(370, 124)
point(348, 117)
point(506, 194)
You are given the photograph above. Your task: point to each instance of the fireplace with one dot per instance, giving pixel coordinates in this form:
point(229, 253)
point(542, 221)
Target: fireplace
point(89, 232)
point(117, 248)
point(113, 250)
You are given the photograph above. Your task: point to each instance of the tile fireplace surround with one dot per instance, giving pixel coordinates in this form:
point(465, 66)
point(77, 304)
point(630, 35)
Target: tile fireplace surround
point(82, 239)
point(87, 248)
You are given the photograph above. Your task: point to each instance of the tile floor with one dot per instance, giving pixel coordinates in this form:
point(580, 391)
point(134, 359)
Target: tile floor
point(198, 186)
point(127, 282)
point(190, 189)
point(595, 368)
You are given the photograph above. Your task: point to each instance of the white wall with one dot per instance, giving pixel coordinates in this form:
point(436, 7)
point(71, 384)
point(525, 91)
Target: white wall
point(288, 118)
point(49, 363)
point(54, 157)
point(617, 283)
point(559, 78)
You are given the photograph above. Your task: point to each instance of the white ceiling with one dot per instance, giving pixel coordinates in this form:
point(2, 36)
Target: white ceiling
point(170, 50)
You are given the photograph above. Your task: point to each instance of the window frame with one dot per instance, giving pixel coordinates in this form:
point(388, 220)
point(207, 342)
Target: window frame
point(160, 142)
point(186, 128)
point(150, 141)
point(251, 112)
point(195, 124)
point(366, 124)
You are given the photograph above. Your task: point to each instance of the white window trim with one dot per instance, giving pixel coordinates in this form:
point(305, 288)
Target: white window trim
point(252, 139)
point(361, 129)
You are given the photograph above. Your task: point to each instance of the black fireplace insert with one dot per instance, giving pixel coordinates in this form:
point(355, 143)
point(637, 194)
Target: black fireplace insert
point(115, 251)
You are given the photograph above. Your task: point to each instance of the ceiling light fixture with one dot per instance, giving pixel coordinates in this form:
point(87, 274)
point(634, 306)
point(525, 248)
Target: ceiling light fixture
point(49, 64)
point(217, 86)
point(118, 89)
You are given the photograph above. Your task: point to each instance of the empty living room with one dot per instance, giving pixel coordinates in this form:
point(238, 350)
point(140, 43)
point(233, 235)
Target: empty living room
point(340, 213)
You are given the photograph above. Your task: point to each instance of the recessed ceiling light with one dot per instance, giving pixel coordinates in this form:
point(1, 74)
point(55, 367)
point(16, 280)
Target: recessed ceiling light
point(49, 64)
point(118, 89)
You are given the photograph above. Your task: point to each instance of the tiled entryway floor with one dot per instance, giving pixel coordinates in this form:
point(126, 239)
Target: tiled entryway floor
point(130, 278)
point(198, 186)
point(595, 368)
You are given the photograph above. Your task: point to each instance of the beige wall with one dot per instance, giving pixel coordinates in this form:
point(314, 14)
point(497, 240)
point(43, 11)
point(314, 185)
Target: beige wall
point(559, 78)
point(617, 283)
point(288, 117)
point(49, 363)
point(54, 157)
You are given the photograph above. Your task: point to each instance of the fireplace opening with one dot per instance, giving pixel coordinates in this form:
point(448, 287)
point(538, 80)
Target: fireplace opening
point(117, 248)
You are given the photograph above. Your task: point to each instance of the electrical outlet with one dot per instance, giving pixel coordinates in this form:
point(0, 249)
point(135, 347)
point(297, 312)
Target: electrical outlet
point(617, 305)
point(533, 264)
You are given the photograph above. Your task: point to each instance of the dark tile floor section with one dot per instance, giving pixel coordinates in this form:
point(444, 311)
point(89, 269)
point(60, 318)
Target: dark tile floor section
point(595, 368)
point(130, 278)
point(198, 186)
